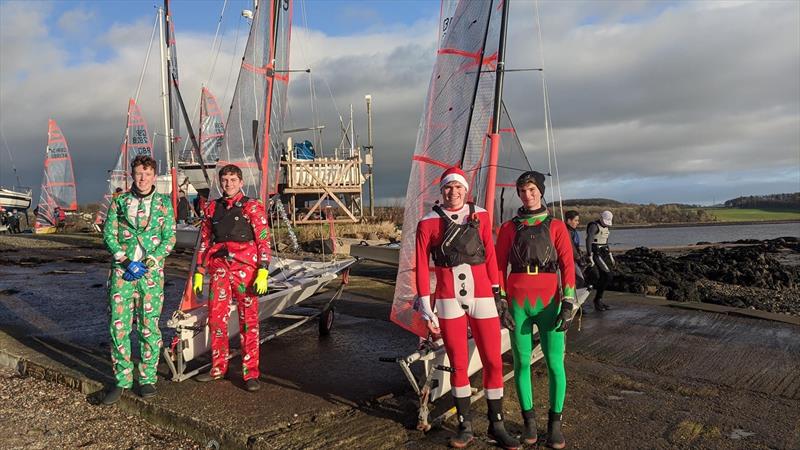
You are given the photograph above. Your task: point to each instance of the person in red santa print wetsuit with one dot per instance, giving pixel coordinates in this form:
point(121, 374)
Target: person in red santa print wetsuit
point(234, 249)
point(458, 236)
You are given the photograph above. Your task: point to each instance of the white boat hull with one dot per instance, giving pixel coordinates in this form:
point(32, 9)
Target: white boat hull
point(10, 199)
point(293, 282)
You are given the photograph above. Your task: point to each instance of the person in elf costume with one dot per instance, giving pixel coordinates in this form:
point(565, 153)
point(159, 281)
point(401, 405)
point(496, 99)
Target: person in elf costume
point(139, 232)
point(234, 249)
point(537, 276)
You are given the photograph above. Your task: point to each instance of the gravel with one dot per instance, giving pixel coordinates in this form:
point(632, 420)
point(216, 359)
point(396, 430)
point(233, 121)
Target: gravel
point(37, 414)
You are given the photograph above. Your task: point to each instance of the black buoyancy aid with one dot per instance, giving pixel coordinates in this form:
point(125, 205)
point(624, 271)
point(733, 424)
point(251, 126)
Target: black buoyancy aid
point(533, 251)
point(230, 224)
point(461, 243)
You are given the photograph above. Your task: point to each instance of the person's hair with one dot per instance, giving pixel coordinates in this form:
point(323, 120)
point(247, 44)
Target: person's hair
point(231, 169)
point(145, 161)
point(571, 214)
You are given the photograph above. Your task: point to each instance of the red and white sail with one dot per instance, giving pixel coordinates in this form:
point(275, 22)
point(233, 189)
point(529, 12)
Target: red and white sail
point(254, 133)
point(58, 182)
point(137, 142)
point(454, 131)
point(212, 127)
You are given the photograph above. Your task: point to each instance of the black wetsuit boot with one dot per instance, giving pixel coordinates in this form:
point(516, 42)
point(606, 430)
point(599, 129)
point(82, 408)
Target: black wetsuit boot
point(554, 437)
point(497, 430)
point(530, 435)
point(464, 435)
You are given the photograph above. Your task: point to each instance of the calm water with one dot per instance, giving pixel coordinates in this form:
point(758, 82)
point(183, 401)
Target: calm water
point(678, 236)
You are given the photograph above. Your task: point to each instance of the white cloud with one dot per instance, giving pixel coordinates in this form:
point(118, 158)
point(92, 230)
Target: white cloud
point(641, 94)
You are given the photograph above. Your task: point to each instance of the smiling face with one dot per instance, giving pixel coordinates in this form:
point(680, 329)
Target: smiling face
point(143, 178)
point(231, 184)
point(574, 222)
point(530, 196)
point(454, 195)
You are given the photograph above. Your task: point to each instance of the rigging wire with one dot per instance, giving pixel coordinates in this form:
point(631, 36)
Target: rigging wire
point(234, 59)
point(213, 56)
point(146, 61)
point(552, 161)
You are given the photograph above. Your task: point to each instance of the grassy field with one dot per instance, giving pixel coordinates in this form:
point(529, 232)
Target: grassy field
point(747, 215)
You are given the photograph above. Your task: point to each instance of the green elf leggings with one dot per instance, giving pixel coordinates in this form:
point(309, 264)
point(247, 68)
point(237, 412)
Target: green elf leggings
point(553, 343)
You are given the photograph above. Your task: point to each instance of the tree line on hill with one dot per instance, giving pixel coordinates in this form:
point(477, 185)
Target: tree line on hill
point(789, 201)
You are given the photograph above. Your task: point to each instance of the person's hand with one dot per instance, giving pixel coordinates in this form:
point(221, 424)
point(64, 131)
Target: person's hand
point(262, 281)
point(506, 319)
point(423, 305)
point(134, 271)
point(197, 285)
point(567, 314)
point(589, 261)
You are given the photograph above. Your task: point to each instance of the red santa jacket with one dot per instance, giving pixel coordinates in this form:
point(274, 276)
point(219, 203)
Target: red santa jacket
point(254, 253)
point(429, 235)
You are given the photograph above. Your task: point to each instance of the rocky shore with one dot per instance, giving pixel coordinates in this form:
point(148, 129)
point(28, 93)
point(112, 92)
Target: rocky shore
point(744, 274)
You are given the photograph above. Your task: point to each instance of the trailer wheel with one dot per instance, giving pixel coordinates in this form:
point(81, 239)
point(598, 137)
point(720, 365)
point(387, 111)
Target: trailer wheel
point(326, 321)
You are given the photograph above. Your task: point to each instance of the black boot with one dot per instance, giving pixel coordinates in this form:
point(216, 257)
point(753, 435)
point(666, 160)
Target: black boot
point(554, 437)
point(497, 431)
point(464, 435)
point(599, 305)
point(113, 395)
point(530, 435)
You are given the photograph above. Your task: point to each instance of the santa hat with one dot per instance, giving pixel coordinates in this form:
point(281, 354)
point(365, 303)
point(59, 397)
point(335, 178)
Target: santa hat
point(454, 174)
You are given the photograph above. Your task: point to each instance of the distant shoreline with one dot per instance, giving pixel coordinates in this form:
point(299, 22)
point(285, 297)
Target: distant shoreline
point(702, 224)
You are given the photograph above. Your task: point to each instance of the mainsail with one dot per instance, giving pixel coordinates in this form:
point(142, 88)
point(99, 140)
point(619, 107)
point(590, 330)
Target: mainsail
point(212, 127)
point(58, 182)
point(136, 142)
point(454, 131)
point(253, 139)
point(251, 142)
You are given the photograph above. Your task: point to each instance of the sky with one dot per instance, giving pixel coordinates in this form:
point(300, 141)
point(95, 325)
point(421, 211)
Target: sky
point(691, 102)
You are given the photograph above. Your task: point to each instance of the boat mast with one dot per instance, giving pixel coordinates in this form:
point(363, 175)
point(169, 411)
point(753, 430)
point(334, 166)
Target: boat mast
point(163, 32)
point(274, 10)
point(491, 177)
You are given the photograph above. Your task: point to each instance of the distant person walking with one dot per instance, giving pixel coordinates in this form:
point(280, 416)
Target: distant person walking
point(573, 219)
point(139, 232)
point(184, 208)
point(600, 260)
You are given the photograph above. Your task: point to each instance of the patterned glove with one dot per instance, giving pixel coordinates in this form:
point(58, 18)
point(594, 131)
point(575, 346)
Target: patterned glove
point(261, 282)
point(506, 319)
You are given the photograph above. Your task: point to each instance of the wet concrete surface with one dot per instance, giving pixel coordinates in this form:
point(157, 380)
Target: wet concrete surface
point(641, 375)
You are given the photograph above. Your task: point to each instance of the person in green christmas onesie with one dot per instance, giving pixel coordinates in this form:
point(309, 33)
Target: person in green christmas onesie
point(540, 290)
point(139, 232)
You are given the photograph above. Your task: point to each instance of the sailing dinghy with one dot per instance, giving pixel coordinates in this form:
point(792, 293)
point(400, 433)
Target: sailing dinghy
point(58, 182)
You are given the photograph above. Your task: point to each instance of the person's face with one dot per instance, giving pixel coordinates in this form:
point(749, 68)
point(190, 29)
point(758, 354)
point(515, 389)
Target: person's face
point(454, 195)
point(143, 178)
point(574, 222)
point(530, 196)
point(231, 184)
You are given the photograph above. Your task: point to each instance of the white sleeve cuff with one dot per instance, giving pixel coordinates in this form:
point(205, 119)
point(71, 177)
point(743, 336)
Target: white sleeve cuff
point(426, 310)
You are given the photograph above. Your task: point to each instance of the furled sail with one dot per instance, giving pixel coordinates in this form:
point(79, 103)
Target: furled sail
point(454, 131)
point(253, 136)
point(137, 142)
point(58, 182)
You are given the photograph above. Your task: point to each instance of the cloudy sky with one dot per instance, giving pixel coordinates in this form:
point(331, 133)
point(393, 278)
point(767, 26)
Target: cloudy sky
point(691, 102)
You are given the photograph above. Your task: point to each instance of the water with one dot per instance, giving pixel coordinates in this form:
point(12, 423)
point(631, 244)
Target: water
point(680, 236)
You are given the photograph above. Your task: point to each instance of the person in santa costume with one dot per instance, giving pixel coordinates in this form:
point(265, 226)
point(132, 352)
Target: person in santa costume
point(234, 249)
point(457, 235)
